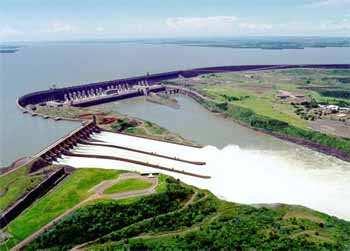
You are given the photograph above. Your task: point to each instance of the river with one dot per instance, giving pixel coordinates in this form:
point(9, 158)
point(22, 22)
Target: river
point(37, 66)
point(244, 165)
point(196, 123)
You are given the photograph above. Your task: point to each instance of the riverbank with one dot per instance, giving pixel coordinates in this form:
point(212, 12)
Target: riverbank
point(163, 99)
point(113, 122)
point(249, 119)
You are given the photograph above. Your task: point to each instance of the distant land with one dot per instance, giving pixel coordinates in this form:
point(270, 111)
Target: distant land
point(8, 49)
point(266, 43)
point(271, 43)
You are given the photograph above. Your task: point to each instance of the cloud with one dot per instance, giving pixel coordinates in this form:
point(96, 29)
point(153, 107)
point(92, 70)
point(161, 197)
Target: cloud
point(200, 22)
point(328, 3)
point(341, 25)
point(59, 27)
point(100, 29)
point(215, 25)
point(8, 32)
point(255, 26)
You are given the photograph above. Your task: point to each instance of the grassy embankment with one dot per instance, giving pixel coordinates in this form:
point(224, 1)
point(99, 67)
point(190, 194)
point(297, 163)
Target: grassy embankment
point(253, 117)
point(147, 129)
point(15, 184)
point(128, 185)
point(255, 105)
point(65, 196)
point(163, 99)
point(109, 119)
point(183, 217)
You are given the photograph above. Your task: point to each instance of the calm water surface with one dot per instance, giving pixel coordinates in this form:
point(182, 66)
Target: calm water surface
point(38, 66)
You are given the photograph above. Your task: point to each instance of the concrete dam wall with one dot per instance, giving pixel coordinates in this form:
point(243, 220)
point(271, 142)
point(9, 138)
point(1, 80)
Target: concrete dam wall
point(11, 213)
point(60, 94)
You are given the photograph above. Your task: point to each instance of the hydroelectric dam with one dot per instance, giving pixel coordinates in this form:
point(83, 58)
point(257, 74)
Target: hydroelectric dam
point(90, 146)
point(106, 91)
point(90, 142)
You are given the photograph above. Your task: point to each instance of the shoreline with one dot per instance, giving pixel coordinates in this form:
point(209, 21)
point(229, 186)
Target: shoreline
point(299, 141)
point(37, 97)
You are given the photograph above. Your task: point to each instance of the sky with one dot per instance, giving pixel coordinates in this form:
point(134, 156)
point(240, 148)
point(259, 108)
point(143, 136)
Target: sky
point(45, 20)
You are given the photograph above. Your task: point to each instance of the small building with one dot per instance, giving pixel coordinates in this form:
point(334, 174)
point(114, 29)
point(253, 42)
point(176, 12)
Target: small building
point(341, 115)
point(333, 108)
point(344, 109)
point(283, 94)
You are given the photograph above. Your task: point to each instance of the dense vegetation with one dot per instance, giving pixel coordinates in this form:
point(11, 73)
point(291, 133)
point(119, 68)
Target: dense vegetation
point(124, 123)
point(232, 227)
point(96, 220)
point(335, 93)
point(248, 228)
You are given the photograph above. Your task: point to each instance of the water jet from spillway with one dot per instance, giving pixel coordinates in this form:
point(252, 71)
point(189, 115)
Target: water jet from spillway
point(238, 175)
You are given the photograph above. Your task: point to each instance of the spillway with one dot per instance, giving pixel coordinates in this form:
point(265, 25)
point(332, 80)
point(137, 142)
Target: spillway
point(165, 148)
point(237, 175)
point(103, 150)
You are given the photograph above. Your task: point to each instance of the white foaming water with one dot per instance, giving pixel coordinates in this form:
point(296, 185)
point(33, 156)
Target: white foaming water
point(165, 148)
point(237, 175)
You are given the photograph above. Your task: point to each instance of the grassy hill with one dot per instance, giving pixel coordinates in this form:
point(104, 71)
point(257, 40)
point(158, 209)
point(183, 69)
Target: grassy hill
point(66, 195)
point(16, 184)
point(176, 216)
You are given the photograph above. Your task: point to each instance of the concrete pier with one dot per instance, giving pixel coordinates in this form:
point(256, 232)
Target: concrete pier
point(142, 163)
point(64, 144)
point(199, 163)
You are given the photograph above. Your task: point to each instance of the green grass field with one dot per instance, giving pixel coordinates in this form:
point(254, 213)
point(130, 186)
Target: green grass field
point(128, 185)
point(16, 184)
point(161, 183)
point(65, 196)
point(263, 104)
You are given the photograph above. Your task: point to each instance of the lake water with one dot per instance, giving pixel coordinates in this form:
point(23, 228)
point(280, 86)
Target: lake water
point(38, 66)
